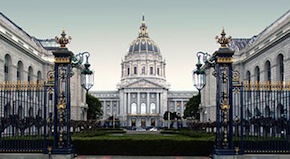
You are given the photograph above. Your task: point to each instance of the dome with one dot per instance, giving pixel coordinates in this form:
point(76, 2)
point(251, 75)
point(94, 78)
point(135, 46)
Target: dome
point(143, 44)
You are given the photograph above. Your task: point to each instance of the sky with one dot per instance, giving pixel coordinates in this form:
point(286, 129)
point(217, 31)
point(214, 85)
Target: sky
point(181, 28)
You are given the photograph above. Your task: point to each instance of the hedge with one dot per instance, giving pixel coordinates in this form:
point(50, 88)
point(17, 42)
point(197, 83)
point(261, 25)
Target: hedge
point(162, 147)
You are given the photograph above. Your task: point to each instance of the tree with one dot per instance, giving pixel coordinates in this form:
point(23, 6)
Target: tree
point(172, 115)
point(95, 107)
point(192, 107)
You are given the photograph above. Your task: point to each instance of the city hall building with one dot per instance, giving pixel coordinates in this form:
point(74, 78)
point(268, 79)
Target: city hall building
point(25, 59)
point(263, 58)
point(143, 93)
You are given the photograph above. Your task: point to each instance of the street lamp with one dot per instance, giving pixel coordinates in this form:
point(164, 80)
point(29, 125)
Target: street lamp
point(198, 75)
point(87, 75)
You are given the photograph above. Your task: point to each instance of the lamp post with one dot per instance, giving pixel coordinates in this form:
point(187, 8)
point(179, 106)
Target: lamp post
point(198, 76)
point(87, 75)
point(63, 65)
point(222, 61)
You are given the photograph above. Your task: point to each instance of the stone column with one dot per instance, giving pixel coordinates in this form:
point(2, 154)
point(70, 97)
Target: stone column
point(125, 103)
point(182, 108)
point(175, 105)
point(157, 111)
point(111, 107)
point(138, 103)
point(129, 103)
point(148, 104)
point(104, 107)
point(160, 106)
point(118, 107)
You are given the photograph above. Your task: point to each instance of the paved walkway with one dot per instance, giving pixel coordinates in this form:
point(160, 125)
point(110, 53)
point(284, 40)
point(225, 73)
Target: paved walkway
point(141, 157)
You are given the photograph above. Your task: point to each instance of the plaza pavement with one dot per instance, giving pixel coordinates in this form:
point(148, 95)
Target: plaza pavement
point(141, 157)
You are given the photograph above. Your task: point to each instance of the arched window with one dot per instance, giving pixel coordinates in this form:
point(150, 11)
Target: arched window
point(268, 71)
point(135, 70)
point(30, 74)
point(133, 108)
point(7, 63)
point(143, 70)
point(39, 77)
point(158, 71)
point(143, 108)
point(248, 76)
point(152, 108)
point(151, 70)
point(280, 67)
point(19, 71)
point(257, 73)
point(128, 71)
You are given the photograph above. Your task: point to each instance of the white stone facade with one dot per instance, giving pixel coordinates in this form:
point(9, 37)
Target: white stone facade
point(143, 94)
point(23, 58)
point(263, 58)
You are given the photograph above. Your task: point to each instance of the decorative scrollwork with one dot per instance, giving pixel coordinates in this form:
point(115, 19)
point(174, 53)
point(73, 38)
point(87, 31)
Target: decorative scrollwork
point(236, 76)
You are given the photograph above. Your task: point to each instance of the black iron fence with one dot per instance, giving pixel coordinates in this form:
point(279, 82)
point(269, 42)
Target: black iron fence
point(23, 112)
point(26, 117)
point(261, 118)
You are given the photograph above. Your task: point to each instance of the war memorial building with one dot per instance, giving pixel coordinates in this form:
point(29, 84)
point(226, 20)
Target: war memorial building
point(26, 59)
point(265, 58)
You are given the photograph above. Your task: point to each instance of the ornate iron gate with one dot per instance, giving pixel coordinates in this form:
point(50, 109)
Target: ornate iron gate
point(26, 113)
point(261, 117)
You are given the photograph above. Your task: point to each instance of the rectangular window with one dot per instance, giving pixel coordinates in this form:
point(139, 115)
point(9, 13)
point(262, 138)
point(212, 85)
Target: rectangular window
point(158, 71)
point(135, 70)
point(128, 71)
point(151, 70)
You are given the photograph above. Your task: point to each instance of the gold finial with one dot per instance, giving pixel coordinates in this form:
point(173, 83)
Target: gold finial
point(63, 40)
point(223, 40)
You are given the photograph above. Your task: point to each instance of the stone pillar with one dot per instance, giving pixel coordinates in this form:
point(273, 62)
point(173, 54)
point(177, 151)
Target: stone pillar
point(138, 103)
point(175, 105)
point(157, 103)
point(118, 107)
point(161, 105)
point(148, 104)
point(111, 107)
point(125, 103)
point(182, 108)
point(129, 103)
point(104, 107)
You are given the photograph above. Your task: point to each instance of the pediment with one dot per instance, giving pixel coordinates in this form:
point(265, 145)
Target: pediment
point(143, 84)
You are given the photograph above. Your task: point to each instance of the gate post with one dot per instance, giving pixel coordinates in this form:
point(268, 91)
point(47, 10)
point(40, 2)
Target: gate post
point(224, 105)
point(62, 68)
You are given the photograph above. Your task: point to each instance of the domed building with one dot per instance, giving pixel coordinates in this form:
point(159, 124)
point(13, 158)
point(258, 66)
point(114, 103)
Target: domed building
point(143, 93)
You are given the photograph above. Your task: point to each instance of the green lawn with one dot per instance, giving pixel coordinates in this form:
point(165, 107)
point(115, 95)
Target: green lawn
point(140, 137)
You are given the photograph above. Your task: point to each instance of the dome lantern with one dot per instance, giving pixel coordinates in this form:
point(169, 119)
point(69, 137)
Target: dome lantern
point(143, 44)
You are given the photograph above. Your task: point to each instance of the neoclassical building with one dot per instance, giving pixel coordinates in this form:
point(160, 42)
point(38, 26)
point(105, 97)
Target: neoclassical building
point(263, 58)
point(24, 58)
point(143, 93)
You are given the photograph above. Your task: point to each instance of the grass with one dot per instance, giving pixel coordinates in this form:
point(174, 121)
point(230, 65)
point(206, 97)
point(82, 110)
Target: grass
point(139, 137)
point(174, 135)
